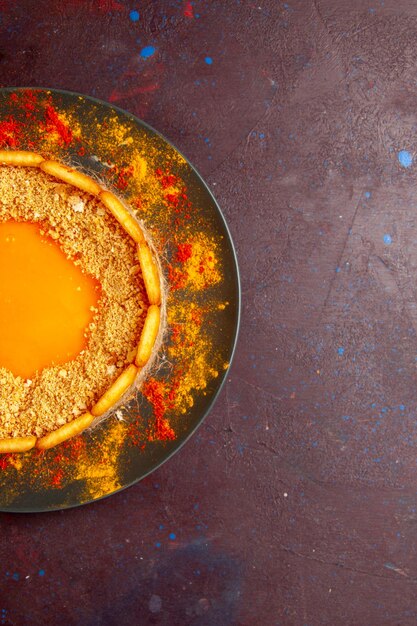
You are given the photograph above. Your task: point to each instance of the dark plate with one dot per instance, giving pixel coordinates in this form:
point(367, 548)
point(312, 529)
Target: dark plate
point(203, 303)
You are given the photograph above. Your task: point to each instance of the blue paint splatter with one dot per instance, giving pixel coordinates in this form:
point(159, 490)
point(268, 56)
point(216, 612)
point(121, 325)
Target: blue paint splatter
point(208, 60)
point(387, 239)
point(368, 194)
point(147, 52)
point(405, 158)
point(340, 351)
point(337, 270)
point(15, 576)
point(402, 407)
point(41, 572)
point(158, 544)
point(172, 536)
point(134, 16)
point(161, 527)
point(261, 135)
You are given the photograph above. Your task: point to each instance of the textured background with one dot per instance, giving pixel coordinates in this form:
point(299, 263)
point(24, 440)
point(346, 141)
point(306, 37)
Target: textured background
point(296, 501)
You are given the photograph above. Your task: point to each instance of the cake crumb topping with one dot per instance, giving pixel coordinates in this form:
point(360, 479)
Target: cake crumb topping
point(91, 237)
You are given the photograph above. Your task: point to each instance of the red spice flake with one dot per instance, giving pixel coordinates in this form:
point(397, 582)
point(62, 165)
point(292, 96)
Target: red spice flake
point(10, 131)
point(29, 102)
point(173, 392)
point(4, 461)
point(184, 252)
point(166, 179)
point(175, 332)
point(81, 151)
point(57, 478)
point(176, 200)
point(188, 10)
point(110, 5)
point(197, 317)
point(75, 448)
point(172, 199)
point(123, 176)
point(137, 202)
point(136, 437)
point(53, 124)
point(26, 101)
point(154, 391)
point(177, 278)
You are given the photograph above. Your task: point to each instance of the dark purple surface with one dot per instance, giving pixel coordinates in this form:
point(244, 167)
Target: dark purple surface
point(296, 501)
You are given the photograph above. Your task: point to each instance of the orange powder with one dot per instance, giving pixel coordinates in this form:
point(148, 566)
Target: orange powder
point(45, 301)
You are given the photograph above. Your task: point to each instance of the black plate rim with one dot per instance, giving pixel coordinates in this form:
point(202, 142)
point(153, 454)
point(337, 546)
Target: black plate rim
point(214, 398)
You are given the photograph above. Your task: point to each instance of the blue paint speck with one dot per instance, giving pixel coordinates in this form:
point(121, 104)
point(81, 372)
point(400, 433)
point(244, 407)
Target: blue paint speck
point(337, 270)
point(340, 351)
point(368, 194)
point(161, 527)
point(261, 135)
point(405, 158)
point(41, 572)
point(387, 239)
point(402, 407)
point(208, 60)
point(147, 52)
point(158, 544)
point(172, 536)
point(15, 576)
point(134, 16)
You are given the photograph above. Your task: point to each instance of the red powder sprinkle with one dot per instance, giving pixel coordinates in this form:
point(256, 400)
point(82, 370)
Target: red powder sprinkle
point(184, 252)
point(110, 5)
point(10, 130)
point(172, 199)
point(175, 332)
point(57, 478)
point(177, 278)
point(188, 9)
point(4, 461)
point(55, 125)
point(197, 317)
point(123, 177)
point(166, 179)
point(137, 202)
point(29, 102)
point(154, 392)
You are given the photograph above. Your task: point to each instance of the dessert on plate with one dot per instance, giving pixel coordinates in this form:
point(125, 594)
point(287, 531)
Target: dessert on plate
point(80, 301)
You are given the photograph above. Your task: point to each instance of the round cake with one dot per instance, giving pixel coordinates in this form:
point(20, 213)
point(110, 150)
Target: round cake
point(80, 301)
